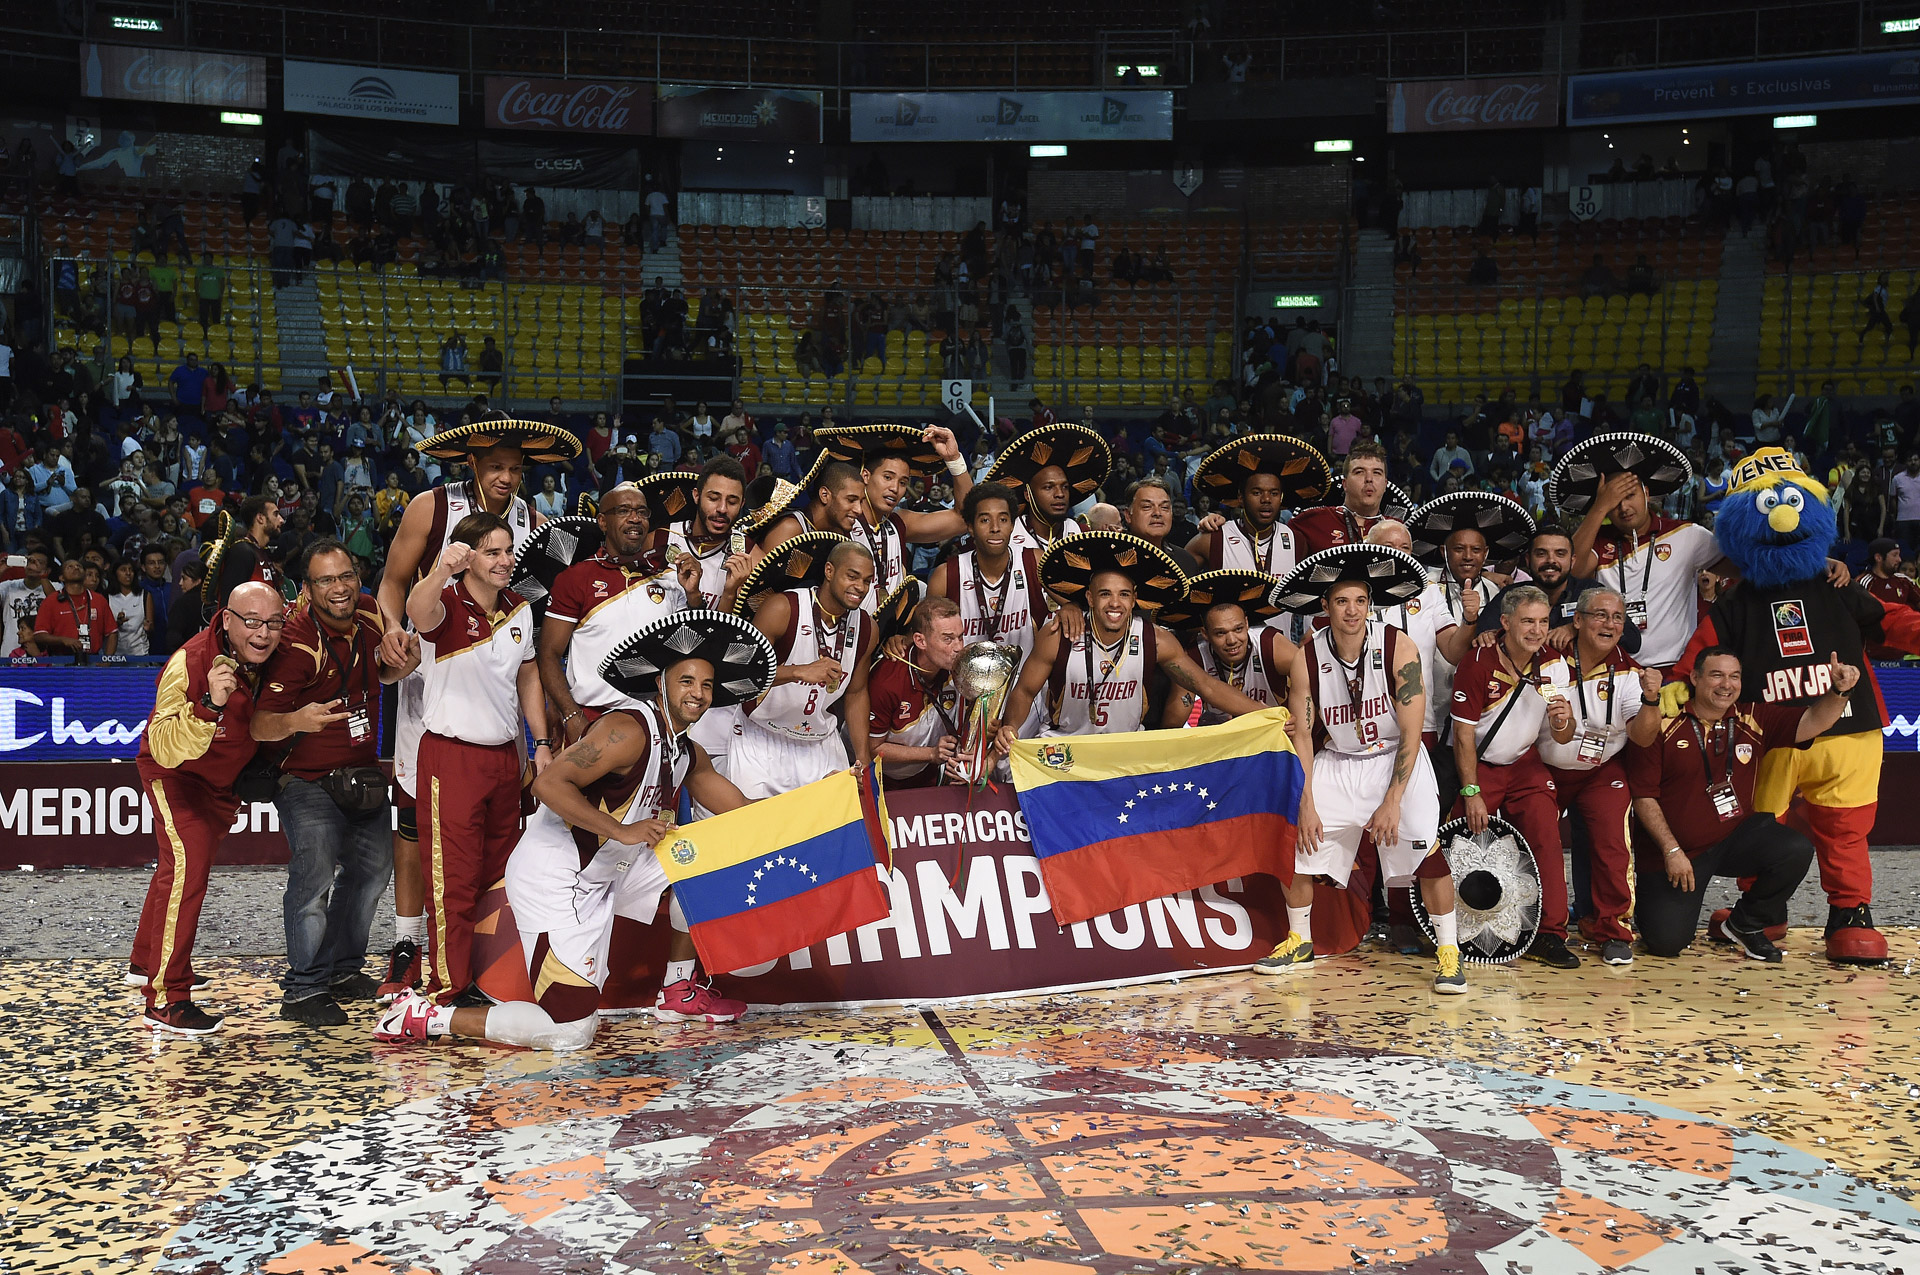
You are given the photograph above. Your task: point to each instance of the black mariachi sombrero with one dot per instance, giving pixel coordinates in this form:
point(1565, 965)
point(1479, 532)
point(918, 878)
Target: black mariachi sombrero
point(1576, 479)
point(857, 444)
point(1253, 590)
point(1071, 564)
point(1396, 503)
point(1507, 527)
point(895, 612)
point(743, 660)
point(1080, 453)
point(554, 546)
point(799, 563)
point(1392, 575)
point(670, 495)
point(540, 442)
point(1305, 477)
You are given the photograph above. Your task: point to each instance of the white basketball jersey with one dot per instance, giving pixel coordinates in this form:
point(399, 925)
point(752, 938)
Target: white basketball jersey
point(888, 542)
point(713, 564)
point(1357, 720)
point(1238, 549)
point(1024, 536)
point(1255, 680)
point(1106, 695)
point(800, 709)
point(1008, 610)
point(461, 502)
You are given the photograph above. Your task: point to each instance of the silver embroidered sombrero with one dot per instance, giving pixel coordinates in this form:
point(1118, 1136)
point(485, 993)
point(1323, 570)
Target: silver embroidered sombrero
point(743, 660)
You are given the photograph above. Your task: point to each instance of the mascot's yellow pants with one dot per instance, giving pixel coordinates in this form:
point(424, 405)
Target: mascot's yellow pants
point(1838, 778)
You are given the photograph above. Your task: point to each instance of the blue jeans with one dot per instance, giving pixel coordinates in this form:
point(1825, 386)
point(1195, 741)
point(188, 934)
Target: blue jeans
point(327, 936)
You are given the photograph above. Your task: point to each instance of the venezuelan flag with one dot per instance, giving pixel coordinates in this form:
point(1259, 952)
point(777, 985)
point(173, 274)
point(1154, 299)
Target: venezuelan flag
point(782, 874)
point(1119, 819)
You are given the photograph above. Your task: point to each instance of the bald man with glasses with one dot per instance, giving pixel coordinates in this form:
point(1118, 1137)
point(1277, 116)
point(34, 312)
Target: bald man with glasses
point(198, 740)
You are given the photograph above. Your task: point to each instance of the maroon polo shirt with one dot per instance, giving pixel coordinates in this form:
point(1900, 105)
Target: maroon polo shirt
point(1671, 769)
point(305, 670)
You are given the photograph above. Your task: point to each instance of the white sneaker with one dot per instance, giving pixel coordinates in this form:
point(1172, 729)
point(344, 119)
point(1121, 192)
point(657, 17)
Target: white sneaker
point(406, 1019)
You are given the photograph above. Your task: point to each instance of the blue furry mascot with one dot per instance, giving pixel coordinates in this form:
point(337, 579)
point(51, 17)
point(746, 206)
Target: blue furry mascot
point(1785, 619)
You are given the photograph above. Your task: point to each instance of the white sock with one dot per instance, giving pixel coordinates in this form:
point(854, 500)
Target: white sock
point(680, 971)
point(1300, 921)
point(1445, 932)
point(440, 1022)
point(410, 927)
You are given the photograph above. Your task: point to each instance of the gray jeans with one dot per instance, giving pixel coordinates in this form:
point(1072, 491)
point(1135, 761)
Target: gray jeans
point(336, 874)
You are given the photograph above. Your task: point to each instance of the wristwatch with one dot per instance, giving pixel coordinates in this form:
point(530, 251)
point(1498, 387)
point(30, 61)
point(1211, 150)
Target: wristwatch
point(1471, 790)
point(206, 702)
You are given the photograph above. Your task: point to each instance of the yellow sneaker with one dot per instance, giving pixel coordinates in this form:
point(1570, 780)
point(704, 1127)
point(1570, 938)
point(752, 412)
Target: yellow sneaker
point(1292, 953)
point(1452, 978)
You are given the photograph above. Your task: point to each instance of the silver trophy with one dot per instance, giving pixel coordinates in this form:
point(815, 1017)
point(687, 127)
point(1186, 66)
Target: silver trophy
point(981, 677)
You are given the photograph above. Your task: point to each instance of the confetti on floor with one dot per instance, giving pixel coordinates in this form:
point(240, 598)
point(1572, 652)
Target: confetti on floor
point(1698, 1115)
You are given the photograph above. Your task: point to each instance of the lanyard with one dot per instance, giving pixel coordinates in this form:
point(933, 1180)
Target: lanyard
point(81, 627)
point(327, 638)
point(669, 757)
point(1039, 540)
point(878, 542)
point(1236, 674)
point(1263, 560)
point(820, 629)
point(1359, 674)
point(1646, 577)
point(1580, 689)
point(993, 614)
point(1701, 738)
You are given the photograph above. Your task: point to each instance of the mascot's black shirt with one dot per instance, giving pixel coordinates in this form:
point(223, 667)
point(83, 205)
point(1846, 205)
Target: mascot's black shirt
point(1787, 634)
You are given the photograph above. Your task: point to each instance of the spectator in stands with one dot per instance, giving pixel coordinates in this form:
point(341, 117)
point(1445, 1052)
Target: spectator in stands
point(360, 198)
point(1823, 420)
point(1493, 209)
point(19, 512)
point(453, 361)
point(281, 233)
point(1875, 302)
point(1863, 507)
point(1485, 270)
point(1015, 336)
point(166, 286)
point(1598, 281)
point(658, 220)
point(1529, 223)
point(593, 232)
point(1906, 504)
point(76, 621)
point(1406, 252)
point(781, 457)
point(1447, 456)
point(664, 444)
point(1641, 280)
point(533, 220)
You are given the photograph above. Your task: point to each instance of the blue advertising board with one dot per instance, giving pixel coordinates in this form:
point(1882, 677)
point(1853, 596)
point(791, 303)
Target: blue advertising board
point(56, 713)
point(1745, 88)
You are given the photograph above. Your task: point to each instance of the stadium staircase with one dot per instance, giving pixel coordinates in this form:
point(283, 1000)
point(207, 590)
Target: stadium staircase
point(1735, 352)
point(665, 264)
point(1003, 387)
point(303, 338)
point(1368, 349)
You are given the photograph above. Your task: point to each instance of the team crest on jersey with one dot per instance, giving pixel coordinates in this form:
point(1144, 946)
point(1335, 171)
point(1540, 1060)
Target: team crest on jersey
point(1743, 753)
point(473, 627)
point(1413, 607)
point(1662, 551)
point(682, 852)
point(1604, 691)
point(514, 633)
point(1790, 630)
point(656, 592)
point(1056, 757)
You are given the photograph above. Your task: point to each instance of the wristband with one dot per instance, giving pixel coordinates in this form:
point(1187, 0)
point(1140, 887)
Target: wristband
point(543, 743)
point(956, 467)
point(1471, 790)
point(1650, 702)
point(570, 716)
point(1675, 850)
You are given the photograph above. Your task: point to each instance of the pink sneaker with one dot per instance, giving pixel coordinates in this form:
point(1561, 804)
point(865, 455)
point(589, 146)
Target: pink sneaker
point(692, 1001)
point(405, 1019)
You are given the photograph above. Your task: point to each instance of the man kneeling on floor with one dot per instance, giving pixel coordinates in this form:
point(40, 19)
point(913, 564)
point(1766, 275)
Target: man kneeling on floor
point(587, 854)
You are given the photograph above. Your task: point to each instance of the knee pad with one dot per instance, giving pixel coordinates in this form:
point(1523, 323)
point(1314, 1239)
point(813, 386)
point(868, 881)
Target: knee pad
point(409, 823)
point(577, 1034)
point(676, 916)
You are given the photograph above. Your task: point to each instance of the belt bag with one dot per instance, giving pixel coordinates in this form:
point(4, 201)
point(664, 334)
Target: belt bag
point(260, 781)
point(357, 790)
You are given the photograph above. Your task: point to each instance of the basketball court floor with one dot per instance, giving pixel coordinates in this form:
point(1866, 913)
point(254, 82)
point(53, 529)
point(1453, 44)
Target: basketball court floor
point(1700, 1115)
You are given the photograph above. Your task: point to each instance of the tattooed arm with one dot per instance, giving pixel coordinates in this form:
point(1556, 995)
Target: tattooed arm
point(1410, 710)
point(1187, 675)
point(617, 742)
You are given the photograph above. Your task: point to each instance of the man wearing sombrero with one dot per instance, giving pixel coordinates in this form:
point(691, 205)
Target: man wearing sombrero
point(1217, 620)
point(1097, 684)
point(497, 448)
point(586, 855)
point(1613, 483)
point(1255, 478)
point(1053, 467)
point(888, 456)
point(1369, 776)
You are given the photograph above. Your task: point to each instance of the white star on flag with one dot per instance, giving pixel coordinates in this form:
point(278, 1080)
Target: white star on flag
point(1123, 818)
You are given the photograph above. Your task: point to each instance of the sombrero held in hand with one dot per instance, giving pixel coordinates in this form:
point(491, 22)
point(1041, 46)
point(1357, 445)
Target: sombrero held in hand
point(1392, 576)
point(670, 495)
point(799, 563)
point(858, 445)
point(1507, 527)
point(542, 443)
point(743, 660)
point(1082, 455)
point(1305, 477)
point(1252, 590)
point(558, 543)
point(1577, 478)
point(1068, 569)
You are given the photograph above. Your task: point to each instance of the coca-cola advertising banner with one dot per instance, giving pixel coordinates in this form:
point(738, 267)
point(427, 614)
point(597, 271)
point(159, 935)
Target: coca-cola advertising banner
point(173, 75)
point(1466, 106)
point(569, 106)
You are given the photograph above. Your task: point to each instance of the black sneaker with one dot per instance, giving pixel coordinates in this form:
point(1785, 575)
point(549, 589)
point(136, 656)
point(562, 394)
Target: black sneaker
point(1551, 949)
point(182, 1018)
point(314, 1011)
point(354, 987)
point(1616, 952)
point(403, 970)
point(1754, 943)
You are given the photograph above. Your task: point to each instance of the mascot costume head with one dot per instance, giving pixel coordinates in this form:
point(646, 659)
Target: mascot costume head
point(1775, 524)
point(1784, 617)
